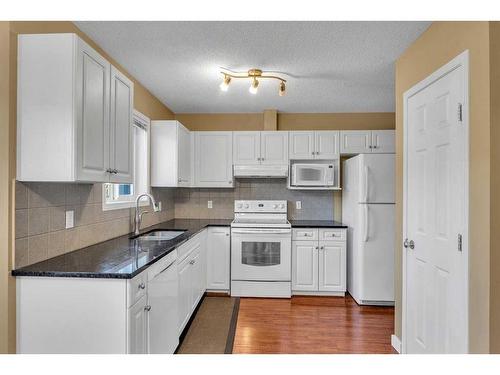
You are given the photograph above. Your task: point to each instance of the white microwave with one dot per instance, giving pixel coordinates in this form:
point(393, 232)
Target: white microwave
point(313, 174)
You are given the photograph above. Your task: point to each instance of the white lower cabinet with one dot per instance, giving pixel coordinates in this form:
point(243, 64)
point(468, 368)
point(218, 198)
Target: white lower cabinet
point(318, 266)
point(218, 258)
point(137, 327)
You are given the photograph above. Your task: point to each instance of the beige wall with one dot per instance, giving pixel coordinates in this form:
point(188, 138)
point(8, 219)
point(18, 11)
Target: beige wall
point(7, 282)
point(288, 121)
point(439, 44)
point(495, 187)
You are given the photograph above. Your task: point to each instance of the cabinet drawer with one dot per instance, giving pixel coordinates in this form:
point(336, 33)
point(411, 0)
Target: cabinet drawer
point(332, 234)
point(184, 249)
point(137, 288)
point(305, 234)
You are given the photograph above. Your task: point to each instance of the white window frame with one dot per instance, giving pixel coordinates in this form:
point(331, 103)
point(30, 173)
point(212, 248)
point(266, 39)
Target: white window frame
point(128, 202)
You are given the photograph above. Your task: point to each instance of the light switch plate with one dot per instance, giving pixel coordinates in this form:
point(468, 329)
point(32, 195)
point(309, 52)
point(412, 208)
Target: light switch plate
point(209, 204)
point(298, 205)
point(70, 219)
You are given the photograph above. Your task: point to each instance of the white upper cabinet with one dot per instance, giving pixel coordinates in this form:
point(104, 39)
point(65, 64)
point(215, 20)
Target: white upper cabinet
point(383, 141)
point(314, 144)
point(171, 154)
point(301, 145)
point(274, 147)
point(74, 113)
point(121, 132)
point(355, 141)
point(214, 159)
point(326, 144)
point(246, 148)
point(254, 147)
point(367, 141)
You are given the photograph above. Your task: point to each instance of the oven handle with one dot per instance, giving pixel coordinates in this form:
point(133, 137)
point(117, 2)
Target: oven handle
point(262, 231)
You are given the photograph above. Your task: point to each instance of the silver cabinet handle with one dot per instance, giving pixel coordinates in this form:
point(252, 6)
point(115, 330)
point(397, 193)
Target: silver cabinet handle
point(312, 153)
point(227, 234)
point(230, 181)
point(147, 307)
point(317, 248)
point(192, 262)
point(142, 286)
point(322, 248)
point(109, 170)
point(411, 245)
point(405, 243)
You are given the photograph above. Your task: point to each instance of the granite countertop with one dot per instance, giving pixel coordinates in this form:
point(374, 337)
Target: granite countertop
point(317, 224)
point(119, 258)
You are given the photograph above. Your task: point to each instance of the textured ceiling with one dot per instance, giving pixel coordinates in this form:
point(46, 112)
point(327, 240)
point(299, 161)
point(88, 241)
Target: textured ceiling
point(329, 66)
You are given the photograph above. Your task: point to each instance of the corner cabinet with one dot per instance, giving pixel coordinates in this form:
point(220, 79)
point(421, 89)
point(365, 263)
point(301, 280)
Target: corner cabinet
point(213, 159)
point(75, 109)
point(171, 155)
point(319, 261)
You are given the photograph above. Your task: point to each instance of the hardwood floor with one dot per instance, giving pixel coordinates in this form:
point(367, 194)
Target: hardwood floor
point(312, 325)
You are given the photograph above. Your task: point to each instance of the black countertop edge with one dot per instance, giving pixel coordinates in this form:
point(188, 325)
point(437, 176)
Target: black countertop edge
point(317, 224)
point(118, 250)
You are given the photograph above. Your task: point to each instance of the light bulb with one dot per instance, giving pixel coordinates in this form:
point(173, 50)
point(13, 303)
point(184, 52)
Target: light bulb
point(282, 91)
point(225, 83)
point(254, 86)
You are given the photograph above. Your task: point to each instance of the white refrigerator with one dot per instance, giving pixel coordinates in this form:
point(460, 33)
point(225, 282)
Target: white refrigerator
point(368, 197)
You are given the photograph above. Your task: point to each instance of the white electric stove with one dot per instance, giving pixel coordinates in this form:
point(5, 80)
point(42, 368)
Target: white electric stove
point(261, 249)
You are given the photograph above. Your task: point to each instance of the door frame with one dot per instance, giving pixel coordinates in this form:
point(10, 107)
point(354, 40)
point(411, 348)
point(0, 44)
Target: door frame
point(462, 60)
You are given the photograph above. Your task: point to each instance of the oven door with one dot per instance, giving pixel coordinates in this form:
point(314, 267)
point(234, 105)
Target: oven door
point(261, 254)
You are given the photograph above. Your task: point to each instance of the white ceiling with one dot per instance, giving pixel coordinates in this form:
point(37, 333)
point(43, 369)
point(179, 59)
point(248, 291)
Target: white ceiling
point(329, 66)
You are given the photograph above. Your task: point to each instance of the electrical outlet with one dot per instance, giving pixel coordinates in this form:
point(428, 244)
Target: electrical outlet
point(298, 205)
point(70, 219)
point(209, 204)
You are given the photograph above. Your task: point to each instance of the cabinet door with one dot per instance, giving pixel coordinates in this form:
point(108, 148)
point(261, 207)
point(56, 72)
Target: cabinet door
point(184, 301)
point(184, 156)
point(137, 327)
point(121, 132)
point(327, 144)
point(92, 108)
point(301, 145)
point(214, 159)
point(305, 265)
point(355, 142)
point(274, 147)
point(246, 148)
point(332, 266)
point(218, 258)
point(197, 279)
point(383, 141)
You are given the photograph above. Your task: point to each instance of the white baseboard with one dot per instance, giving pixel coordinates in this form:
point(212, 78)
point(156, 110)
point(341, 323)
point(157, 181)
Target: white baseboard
point(396, 343)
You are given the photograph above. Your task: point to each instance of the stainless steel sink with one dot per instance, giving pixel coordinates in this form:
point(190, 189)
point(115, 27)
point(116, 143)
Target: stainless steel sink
point(161, 235)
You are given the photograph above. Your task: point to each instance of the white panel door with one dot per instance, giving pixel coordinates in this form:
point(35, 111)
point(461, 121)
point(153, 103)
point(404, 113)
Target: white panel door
point(246, 148)
point(305, 265)
point(436, 267)
point(327, 144)
point(274, 147)
point(197, 278)
point(184, 174)
point(355, 141)
point(92, 100)
point(121, 132)
point(137, 327)
point(332, 266)
point(214, 159)
point(218, 258)
point(383, 141)
point(301, 145)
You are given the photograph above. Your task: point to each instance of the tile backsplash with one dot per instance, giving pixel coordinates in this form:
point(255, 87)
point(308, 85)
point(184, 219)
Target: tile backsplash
point(40, 212)
point(193, 203)
point(40, 218)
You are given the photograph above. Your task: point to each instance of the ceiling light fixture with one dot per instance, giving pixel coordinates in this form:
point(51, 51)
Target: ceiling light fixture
point(225, 83)
point(253, 74)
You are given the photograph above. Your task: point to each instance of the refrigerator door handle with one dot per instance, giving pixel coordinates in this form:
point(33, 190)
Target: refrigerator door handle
point(365, 200)
point(365, 239)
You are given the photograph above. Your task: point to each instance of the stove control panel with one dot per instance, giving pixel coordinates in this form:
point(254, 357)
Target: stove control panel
point(260, 206)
